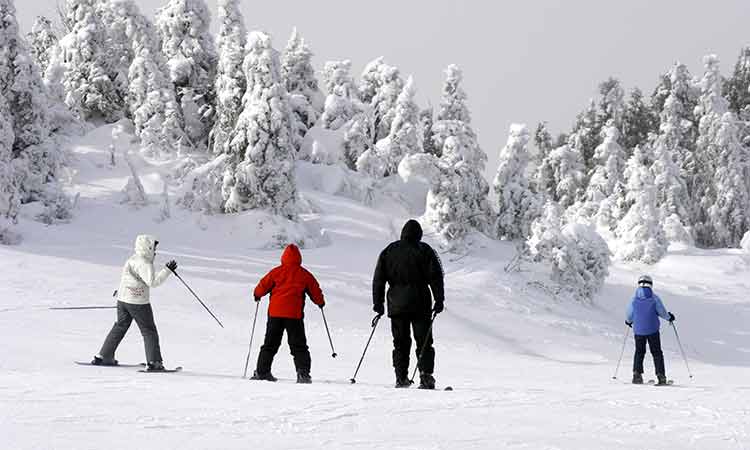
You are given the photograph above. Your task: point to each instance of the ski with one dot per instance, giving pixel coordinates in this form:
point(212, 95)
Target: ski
point(85, 363)
point(653, 383)
point(176, 369)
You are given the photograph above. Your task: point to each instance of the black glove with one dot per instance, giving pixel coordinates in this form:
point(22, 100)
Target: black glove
point(671, 317)
point(172, 265)
point(629, 323)
point(379, 308)
point(438, 307)
point(257, 299)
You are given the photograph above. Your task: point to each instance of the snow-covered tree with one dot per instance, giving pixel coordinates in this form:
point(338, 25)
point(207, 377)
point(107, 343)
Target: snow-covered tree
point(453, 100)
point(585, 136)
point(542, 143)
point(729, 215)
point(41, 39)
point(640, 233)
point(9, 197)
point(517, 204)
point(92, 88)
point(356, 140)
point(151, 98)
point(638, 121)
point(611, 103)
point(405, 137)
point(299, 77)
point(561, 175)
point(230, 80)
point(711, 108)
point(579, 256)
point(426, 120)
point(737, 87)
point(262, 141)
point(189, 49)
point(605, 191)
point(339, 107)
point(370, 80)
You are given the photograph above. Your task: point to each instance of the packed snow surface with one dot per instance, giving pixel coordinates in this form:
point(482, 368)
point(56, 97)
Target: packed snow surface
point(529, 369)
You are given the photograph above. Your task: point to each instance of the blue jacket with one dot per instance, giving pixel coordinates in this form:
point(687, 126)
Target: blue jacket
point(644, 312)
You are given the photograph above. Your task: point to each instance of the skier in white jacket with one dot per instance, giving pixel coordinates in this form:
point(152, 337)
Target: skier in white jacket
point(133, 296)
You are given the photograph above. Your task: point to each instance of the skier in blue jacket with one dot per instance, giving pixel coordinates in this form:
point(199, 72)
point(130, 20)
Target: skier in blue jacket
point(643, 316)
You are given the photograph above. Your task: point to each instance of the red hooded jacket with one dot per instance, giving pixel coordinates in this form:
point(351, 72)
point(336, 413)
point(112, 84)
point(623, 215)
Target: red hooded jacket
point(288, 284)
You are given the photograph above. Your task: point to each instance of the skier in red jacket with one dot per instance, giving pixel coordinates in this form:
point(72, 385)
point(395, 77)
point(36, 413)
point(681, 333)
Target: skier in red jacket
point(288, 284)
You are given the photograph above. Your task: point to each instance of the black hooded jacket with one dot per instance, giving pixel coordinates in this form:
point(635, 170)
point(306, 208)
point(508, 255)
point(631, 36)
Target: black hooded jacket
point(411, 268)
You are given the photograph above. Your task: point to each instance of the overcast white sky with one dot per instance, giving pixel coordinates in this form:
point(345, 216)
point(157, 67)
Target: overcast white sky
point(524, 61)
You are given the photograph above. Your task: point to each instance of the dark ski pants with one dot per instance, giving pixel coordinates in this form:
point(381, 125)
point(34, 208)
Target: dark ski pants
point(144, 317)
point(295, 334)
point(654, 345)
point(401, 327)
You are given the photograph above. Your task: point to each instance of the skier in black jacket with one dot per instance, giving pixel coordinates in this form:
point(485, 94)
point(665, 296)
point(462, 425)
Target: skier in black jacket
point(411, 268)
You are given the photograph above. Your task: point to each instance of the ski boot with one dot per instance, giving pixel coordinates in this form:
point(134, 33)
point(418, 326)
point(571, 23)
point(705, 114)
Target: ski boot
point(426, 381)
point(155, 366)
point(303, 378)
point(263, 376)
point(637, 378)
point(403, 382)
point(661, 379)
point(99, 361)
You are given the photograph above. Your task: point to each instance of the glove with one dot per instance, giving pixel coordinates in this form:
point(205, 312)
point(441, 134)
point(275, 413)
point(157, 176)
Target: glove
point(257, 299)
point(629, 323)
point(379, 308)
point(438, 308)
point(671, 317)
point(172, 265)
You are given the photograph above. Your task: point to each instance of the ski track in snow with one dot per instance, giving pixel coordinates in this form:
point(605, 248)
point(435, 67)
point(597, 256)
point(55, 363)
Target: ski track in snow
point(529, 371)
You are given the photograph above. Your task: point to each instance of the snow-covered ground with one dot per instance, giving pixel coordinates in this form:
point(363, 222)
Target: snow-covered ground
point(529, 370)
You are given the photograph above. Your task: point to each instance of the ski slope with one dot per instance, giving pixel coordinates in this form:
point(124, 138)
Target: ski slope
point(529, 370)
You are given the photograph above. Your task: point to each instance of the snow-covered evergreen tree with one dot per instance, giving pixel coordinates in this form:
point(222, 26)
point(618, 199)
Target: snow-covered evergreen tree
point(370, 80)
point(189, 49)
point(299, 77)
point(41, 39)
point(737, 87)
point(151, 98)
point(638, 121)
point(561, 176)
point(517, 204)
point(356, 140)
point(729, 215)
point(611, 103)
point(90, 83)
point(405, 137)
point(230, 80)
point(426, 119)
point(339, 107)
point(262, 139)
point(453, 100)
point(640, 233)
point(383, 104)
point(585, 136)
point(542, 143)
point(9, 197)
point(605, 192)
point(710, 110)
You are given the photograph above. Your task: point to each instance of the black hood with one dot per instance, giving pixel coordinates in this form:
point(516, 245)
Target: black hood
point(412, 231)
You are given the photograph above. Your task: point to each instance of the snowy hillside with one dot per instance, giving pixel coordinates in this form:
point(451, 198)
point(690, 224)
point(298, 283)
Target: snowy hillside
point(530, 370)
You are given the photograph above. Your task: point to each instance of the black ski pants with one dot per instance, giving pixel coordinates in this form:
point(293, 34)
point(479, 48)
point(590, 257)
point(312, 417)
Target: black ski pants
point(401, 327)
point(654, 345)
point(295, 333)
point(144, 318)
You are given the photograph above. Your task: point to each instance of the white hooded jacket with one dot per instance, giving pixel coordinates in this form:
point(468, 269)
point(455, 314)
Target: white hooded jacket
point(138, 275)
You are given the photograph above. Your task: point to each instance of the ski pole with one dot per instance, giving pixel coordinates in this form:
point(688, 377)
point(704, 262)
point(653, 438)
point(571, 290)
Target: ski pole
point(197, 298)
point(70, 308)
point(679, 344)
point(622, 352)
point(333, 354)
point(374, 325)
point(252, 334)
point(424, 346)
